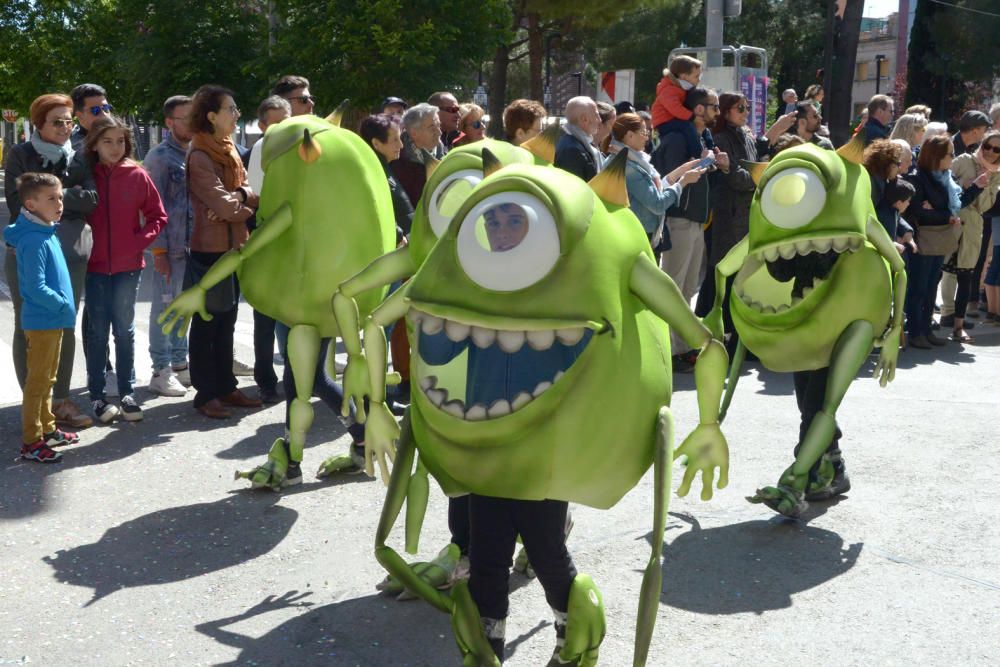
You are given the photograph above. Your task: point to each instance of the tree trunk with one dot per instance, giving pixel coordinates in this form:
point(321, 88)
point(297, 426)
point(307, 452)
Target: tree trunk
point(498, 91)
point(844, 60)
point(536, 53)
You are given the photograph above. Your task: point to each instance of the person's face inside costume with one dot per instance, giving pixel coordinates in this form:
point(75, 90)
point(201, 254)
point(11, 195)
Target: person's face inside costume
point(391, 147)
point(57, 127)
point(506, 226)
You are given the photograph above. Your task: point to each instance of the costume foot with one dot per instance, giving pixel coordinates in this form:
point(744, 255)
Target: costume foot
point(278, 472)
point(782, 499)
point(438, 573)
point(351, 463)
point(839, 485)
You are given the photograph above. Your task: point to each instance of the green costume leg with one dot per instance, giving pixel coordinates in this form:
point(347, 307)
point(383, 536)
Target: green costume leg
point(849, 354)
point(585, 624)
point(303, 353)
point(652, 580)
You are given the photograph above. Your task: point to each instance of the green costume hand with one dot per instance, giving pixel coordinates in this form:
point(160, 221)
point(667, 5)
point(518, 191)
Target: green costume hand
point(357, 385)
point(182, 309)
point(885, 369)
point(705, 449)
point(381, 434)
point(714, 323)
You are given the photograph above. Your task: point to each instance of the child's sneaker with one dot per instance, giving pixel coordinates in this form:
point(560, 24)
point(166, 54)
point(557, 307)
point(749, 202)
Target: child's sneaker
point(59, 438)
point(105, 412)
point(131, 412)
point(41, 452)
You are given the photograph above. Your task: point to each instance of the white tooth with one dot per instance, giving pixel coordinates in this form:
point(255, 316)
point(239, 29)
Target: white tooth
point(510, 341)
point(771, 254)
point(841, 243)
point(540, 388)
point(499, 409)
point(806, 291)
point(437, 396)
point(483, 337)
point(431, 325)
point(456, 331)
point(570, 336)
point(768, 310)
point(455, 408)
point(856, 243)
point(787, 251)
point(428, 382)
point(541, 340)
point(557, 376)
point(476, 413)
point(520, 400)
point(822, 245)
point(803, 247)
point(782, 308)
point(796, 300)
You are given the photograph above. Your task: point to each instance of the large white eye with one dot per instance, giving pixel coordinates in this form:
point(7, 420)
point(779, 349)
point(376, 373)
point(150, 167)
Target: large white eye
point(793, 198)
point(449, 196)
point(508, 242)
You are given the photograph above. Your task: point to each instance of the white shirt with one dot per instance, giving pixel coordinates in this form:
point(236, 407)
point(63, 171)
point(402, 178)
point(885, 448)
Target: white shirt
point(255, 173)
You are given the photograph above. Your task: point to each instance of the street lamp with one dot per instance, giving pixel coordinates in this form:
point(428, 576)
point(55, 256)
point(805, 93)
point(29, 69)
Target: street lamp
point(879, 59)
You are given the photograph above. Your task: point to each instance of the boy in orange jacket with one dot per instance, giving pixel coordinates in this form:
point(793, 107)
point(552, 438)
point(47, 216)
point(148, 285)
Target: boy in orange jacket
point(669, 112)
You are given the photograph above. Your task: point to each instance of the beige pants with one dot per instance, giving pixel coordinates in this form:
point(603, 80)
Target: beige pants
point(685, 264)
point(43, 362)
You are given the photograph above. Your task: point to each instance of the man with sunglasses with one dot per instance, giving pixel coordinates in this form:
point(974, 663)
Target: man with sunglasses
point(448, 112)
point(295, 89)
point(807, 122)
point(90, 102)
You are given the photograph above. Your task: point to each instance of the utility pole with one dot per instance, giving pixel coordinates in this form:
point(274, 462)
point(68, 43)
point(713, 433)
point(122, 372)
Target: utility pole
point(713, 31)
point(879, 59)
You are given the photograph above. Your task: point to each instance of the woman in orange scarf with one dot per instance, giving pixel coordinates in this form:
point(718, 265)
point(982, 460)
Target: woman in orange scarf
point(221, 203)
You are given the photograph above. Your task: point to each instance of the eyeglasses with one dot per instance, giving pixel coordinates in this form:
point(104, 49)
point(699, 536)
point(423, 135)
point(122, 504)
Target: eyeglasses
point(993, 148)
point(449, 109)
point(233, 109)
point(103, 108)
point(304, 99)
point(62, 122)
point(742, 108)
point(714, 106)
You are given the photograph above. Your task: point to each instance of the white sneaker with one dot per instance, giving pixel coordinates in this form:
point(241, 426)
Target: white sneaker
point(111, 383)
point(165, 383)
point(183, 375)
point(240, 369)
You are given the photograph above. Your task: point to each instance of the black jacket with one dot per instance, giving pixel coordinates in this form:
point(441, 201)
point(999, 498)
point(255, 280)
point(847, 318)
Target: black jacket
point(732, 193)
point(74, 233)
point(930, 191)
point(402, 208)
point(573, 156)
point(875, 130)
point(694, 203)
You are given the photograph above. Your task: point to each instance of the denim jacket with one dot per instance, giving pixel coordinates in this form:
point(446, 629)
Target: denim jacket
point(166, 164)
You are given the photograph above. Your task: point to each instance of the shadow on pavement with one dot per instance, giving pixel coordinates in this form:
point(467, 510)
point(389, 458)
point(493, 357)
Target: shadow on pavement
point(371, 630)
point(754, 566)
point(176, 544)
point(326, 428)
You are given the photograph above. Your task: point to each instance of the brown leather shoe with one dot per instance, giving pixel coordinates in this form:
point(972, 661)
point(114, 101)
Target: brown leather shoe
point(214, 410)
point(238, 399)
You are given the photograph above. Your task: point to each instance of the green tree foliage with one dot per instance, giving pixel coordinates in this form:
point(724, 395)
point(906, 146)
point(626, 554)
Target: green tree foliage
point(951, 50)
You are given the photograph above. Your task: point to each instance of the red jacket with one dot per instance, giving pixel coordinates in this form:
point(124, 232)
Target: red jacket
point(669, 102)
point(125, 195)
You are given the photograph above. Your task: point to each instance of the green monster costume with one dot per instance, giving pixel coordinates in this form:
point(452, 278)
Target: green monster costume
point(325, 213)
point(584, 275)
point(818, 283)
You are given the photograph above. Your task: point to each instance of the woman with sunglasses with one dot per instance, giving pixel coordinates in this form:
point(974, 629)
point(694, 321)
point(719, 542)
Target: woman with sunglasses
point(732, 193)
point(980, 170)
point(49, 150)
point(471, 125)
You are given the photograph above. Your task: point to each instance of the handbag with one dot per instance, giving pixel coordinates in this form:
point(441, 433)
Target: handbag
point(938, 240)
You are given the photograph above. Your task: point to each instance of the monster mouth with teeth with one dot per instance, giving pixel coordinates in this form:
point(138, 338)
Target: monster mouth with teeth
point(791, 276)
point(536, 360)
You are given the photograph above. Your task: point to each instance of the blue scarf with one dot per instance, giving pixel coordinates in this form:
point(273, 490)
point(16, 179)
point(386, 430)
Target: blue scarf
point(953, 189)
point(51, 154)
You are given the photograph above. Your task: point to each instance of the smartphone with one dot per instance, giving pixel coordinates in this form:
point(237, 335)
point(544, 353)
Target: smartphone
point(705, 162)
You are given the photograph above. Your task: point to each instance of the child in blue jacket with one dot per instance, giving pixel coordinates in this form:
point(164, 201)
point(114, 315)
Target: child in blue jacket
point(43, 280)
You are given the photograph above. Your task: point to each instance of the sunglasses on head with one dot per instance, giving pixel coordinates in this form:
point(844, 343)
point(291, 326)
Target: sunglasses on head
point(449, 109)
point(103, 108)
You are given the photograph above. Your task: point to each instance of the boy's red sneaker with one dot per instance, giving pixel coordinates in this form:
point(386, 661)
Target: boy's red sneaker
point(41, 452)
point(59, 438)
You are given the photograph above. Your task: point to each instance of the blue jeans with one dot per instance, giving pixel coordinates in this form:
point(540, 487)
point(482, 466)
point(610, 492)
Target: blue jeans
point(923, 274)
point(166, 351)
point(111, 304)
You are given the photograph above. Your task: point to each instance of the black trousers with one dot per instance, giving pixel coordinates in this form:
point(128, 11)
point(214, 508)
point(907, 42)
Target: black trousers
point(458, 522)
point(495, 525)
point(210, 350)
point(263, 351)
point(810, 390)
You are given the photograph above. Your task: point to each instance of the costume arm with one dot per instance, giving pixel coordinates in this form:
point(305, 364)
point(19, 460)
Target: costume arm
point(230, 262)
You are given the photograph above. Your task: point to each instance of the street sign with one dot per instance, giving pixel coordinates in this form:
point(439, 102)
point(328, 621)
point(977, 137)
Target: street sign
point(480, 97)
point(10, 115)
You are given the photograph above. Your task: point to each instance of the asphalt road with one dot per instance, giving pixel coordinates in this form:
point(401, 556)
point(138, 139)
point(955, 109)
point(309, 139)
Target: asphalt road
point(140, 549)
